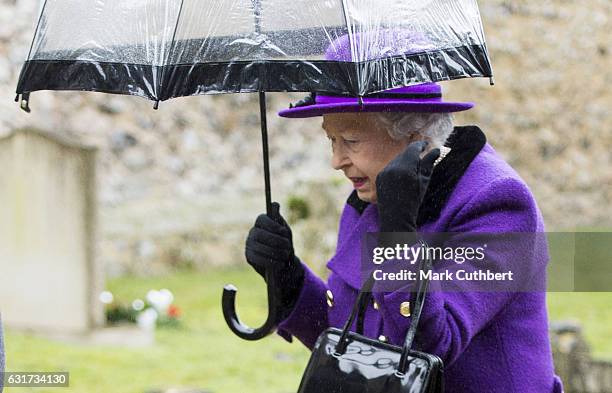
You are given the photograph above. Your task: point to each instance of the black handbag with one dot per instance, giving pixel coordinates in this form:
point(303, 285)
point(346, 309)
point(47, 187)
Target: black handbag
point(349, 362)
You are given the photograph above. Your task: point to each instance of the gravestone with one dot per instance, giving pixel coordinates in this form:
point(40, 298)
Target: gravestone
point(578, 370)
point(49, 278)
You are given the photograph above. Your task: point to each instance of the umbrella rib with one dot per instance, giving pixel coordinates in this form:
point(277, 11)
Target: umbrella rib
point(350, 36)
point(42, 11)
point(257, 15)
point(484, 44)
point(25, 97)
point(164, 66)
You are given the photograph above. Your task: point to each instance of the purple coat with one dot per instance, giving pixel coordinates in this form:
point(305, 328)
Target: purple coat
point(489, 341)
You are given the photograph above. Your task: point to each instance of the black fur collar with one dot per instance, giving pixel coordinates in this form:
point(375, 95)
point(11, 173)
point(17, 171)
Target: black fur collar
point(465, 143)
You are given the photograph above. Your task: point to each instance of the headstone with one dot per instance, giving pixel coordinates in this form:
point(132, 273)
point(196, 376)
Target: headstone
point(49, 278)
point(574, 364)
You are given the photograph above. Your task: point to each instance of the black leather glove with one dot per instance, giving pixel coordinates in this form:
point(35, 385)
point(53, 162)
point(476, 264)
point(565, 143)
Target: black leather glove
point(401, 186)
point(269, 245)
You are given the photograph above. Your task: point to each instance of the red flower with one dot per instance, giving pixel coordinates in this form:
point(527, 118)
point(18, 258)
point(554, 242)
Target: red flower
point(174, 311)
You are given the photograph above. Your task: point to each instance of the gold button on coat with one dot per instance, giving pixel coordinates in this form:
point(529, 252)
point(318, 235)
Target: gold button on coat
point(405, 309)
point(382, 338)
point(375, 305)
point(330, 298)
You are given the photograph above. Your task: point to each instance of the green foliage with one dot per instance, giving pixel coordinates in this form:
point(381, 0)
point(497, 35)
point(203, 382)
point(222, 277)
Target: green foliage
point(299, 208)
point(117, 313)
point(165, 322)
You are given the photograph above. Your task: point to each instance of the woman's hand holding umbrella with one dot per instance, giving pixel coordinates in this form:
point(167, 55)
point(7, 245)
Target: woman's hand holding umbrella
point(269, 247)
point(401, 186)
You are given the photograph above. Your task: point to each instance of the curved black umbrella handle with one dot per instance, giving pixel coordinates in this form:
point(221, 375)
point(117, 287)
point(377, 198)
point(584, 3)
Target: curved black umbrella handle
point(228, 301)
point(228, 304)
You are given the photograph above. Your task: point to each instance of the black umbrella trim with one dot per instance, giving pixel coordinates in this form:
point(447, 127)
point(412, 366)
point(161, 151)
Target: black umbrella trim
point(251, 76)
point(116, 78)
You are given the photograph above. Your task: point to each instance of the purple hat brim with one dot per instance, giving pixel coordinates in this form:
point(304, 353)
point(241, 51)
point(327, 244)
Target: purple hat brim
point(378, 106)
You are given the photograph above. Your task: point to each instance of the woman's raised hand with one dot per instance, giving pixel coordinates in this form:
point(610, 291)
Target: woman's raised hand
point(269, 246)
point(401, 186)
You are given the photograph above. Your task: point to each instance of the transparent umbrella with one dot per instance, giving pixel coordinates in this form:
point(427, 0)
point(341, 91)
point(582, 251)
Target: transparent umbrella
point(162, 49)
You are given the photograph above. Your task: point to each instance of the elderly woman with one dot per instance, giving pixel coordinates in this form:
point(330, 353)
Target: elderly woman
point(386, 146)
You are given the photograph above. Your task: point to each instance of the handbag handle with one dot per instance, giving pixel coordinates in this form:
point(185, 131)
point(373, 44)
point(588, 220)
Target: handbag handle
point(362, 298)
point(360, 306)
point(426, 264)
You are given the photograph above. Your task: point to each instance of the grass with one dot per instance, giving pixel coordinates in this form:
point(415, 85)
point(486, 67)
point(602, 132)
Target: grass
point(204, 354)
point(592, 311)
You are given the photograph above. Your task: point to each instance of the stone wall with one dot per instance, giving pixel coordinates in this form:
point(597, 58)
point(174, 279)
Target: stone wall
point(183, 183)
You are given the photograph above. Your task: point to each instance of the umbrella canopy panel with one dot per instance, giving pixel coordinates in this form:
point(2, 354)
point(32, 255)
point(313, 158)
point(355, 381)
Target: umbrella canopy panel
point(162, 49)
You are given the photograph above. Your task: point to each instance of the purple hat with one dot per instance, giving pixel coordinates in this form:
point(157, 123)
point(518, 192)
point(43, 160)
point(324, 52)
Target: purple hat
point(425, 97)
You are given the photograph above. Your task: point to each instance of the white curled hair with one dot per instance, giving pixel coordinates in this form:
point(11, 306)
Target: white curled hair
point(432, 127)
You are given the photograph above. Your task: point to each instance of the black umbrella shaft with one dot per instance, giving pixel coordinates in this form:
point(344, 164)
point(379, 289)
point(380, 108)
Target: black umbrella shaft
point(264, 143)
point(228, 302)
